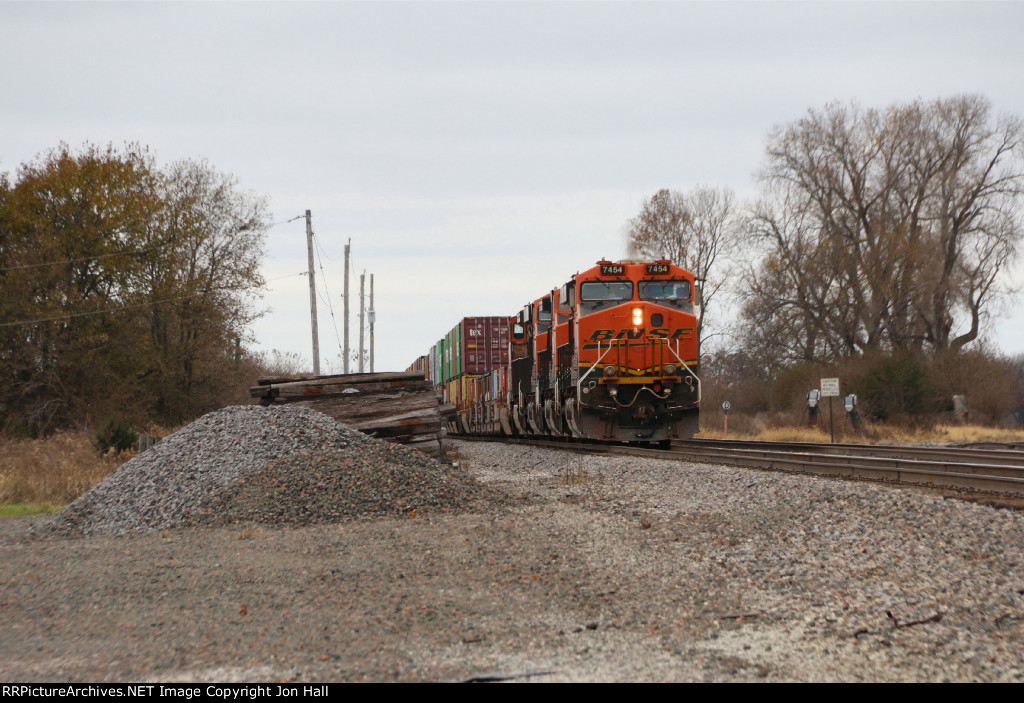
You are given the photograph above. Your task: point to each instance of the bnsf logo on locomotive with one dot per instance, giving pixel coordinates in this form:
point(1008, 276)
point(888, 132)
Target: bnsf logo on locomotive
point(630, 333)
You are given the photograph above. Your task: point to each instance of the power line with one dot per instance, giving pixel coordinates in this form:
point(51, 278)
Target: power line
point(330, 307)
point(138, 305)
point(87, 258)
point(287, 275)
point(68, 316)
point(116, 253)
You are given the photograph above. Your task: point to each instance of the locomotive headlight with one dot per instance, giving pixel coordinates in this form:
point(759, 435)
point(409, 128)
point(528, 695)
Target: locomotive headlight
point(609, 370)
point(670, 370)
point(638, 317)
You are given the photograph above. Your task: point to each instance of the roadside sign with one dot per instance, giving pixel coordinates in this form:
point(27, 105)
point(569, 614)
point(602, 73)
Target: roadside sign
point(829, 388)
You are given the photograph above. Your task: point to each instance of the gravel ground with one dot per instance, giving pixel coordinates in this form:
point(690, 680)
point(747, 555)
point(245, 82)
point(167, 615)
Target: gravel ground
point(533, 565)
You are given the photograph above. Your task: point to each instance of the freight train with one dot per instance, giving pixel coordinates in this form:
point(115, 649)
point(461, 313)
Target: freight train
point(611, 355)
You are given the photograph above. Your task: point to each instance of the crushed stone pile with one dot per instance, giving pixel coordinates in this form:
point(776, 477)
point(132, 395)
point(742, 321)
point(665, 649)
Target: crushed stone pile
point(284, 465)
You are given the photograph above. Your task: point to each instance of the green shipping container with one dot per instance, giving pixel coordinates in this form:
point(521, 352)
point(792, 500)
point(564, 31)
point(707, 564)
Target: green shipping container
point(446, 364)
point(457, 351)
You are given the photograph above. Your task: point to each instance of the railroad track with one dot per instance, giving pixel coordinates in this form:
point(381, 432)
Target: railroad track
point(984, 474)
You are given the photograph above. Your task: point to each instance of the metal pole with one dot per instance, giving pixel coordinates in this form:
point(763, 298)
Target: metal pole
point(362, 316)
point(312, 293)
point(372, 315)
point(346, 352)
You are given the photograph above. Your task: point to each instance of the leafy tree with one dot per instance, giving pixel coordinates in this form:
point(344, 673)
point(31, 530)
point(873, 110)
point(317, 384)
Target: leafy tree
point(67, 247)
point(123, 287)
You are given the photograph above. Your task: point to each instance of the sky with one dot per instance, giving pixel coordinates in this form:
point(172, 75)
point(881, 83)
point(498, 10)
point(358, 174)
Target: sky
point(475, 154)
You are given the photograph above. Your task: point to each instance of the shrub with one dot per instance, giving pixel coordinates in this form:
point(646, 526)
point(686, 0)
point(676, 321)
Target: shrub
point(895, 386)
point(985, 379)
point(116, 435)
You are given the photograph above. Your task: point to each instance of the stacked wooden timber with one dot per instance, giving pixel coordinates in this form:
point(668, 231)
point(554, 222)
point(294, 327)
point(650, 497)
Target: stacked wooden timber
point(398, 407)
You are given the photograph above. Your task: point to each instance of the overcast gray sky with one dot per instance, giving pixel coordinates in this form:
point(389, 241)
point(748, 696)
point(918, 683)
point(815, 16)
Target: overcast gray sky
point(475, 153)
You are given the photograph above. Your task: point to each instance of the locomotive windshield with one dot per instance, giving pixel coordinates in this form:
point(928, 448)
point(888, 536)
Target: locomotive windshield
point(600, 291)
point(675, 293)
point(664, 290)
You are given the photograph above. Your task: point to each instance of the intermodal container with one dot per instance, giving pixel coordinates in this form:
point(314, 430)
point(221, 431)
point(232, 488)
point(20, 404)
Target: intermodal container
point(422, 365)
point(444, 360)
point(482, 344)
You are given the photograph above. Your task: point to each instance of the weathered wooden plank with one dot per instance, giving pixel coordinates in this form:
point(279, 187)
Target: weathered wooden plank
point(352, 395)
point(400, 407)
point(402, 435)
point(300, 390)
point(352, 379)
point(425, 444)
point(300, 393)
point(394, 418)
point(410, 418)
point(346, 409)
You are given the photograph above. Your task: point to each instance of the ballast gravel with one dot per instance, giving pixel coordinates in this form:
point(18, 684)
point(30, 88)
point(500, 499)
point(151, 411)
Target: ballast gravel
point(281, 465)
point(543, 566)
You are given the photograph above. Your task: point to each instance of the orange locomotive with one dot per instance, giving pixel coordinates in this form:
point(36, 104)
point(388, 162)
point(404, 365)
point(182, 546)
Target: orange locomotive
point(612, 354)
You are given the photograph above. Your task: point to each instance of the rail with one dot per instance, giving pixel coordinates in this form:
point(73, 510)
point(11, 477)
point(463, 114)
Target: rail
point(992, 476)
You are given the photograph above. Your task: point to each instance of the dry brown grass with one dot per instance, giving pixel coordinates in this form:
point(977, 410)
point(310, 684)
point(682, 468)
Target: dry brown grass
point(574, 474)
point(52, 471)
point(879, 434)
point(977, 433)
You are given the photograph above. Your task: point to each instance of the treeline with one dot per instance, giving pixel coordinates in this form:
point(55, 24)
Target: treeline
point(903, 388)
point(125, 289)
point(879, 237)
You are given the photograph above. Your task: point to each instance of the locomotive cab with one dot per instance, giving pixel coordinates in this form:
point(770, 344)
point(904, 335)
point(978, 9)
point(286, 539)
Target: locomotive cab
point(637, 373)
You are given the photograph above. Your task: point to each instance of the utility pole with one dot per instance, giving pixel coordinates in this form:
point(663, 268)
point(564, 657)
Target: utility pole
point(372, 315)
point(312, 293)
point(347, 248)
point(362, 317)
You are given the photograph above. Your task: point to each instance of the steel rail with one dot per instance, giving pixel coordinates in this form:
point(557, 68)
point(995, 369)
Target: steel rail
point(956, 454)
point(981, 471)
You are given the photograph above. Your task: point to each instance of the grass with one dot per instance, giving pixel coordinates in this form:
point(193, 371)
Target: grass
point(50, 473)
point(879, 434)
point(574, 475)
point(12, 509)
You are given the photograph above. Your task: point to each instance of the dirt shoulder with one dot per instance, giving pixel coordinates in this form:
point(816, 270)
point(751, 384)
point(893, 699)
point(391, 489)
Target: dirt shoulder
point(595, 569)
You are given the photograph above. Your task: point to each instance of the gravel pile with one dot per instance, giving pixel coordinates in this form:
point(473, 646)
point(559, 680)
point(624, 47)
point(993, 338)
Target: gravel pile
point(281, 465)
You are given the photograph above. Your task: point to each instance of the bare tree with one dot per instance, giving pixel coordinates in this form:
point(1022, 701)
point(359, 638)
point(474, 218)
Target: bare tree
point(697, 230)
point(887, 229)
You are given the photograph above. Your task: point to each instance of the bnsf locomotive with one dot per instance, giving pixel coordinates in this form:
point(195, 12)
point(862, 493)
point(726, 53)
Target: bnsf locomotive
point(612, 354)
